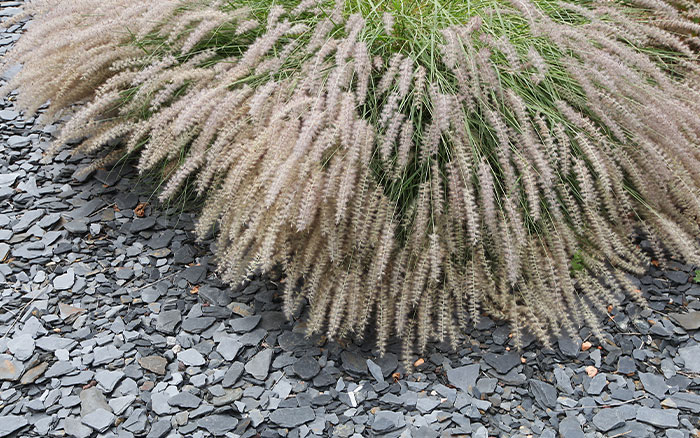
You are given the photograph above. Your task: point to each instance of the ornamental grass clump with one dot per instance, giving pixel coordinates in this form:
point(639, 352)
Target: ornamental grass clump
point(409, 164)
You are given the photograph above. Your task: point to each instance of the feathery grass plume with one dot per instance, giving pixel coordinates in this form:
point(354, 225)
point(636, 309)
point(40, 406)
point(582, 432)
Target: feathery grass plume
point(409, 164)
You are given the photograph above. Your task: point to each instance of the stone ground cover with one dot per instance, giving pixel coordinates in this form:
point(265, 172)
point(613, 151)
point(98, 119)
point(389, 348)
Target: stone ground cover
point(113, 324)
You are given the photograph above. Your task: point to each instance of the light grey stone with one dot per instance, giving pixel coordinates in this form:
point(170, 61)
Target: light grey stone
point(99, 420)
point(191, 357)
point(22, 346)
point(292, 417)
point(64, 281)
point(658, 417)
point(259, 365)
point(11, 423)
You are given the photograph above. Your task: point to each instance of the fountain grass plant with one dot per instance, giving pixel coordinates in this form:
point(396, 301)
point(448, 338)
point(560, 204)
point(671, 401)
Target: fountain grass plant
point(410, 164)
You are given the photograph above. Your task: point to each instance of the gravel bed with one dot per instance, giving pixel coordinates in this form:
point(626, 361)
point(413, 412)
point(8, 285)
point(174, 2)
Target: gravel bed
point(114, 324)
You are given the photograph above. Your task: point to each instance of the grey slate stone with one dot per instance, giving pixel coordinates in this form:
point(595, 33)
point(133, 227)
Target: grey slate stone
point(292, 417)
point(184, 255)
point(689, 321)
point(99, 419)
point(168, 320)
point(185, 400)
point(159, 403)
point(197, 325)
point(691, 358)
point(64, 281)
point(26, 221)
point(191, 357)
point(544, 393)
point(75, 428)
point(569, 427)
point(160, 429)
point(569, 346)
point(60, 368)
point(141, 224)
point(232, 375)
point(385, 421)
point(218, 425)
point(53, 343)
point(229, 347)
point(21, 347)
point(658, 417)
point(107, 380)
point(92, 399)
point(77, 226)
point(596, 384)
point(654, 384)
point(259, 365)
point(106, 354)
point(563, 380)
point(246, 324)
point(307, 367)
point(626, 365)
point(353, 362)
point(375, 370)
point(464, 377)
point(120, 404)
point(607, 419)
point(11, 423)
point(8, 179)
point(502, 363)
point(426, 404)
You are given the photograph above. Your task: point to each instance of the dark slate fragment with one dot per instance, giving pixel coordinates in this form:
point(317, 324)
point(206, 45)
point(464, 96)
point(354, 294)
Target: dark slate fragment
point(502, 363)
point(246, 324)
point(194, 274)
point(678, 277)
point(87, 209)
point(545, 394)
point(353, 363)
point(214, 295)
point(126, 201)
point(569, 346)
point(387, 421)
point(596, 384)
point(184, 255)
point(307, 368)
point(197, 325)
point(142, 224)
point(626, 365)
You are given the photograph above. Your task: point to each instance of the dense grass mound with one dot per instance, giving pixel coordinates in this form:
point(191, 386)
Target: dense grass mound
point(410, 164)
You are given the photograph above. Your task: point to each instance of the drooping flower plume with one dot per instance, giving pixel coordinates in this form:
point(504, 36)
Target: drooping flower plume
point(409, 164)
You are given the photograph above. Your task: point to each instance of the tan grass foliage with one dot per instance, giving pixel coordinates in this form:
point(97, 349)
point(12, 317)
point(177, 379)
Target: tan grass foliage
point(396, 198)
